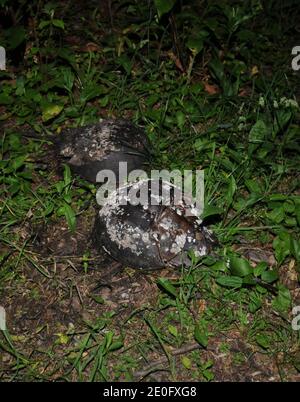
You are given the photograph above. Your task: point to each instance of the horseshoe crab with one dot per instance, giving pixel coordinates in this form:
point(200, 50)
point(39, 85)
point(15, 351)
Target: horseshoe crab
point(153, 235)
point(100, 146)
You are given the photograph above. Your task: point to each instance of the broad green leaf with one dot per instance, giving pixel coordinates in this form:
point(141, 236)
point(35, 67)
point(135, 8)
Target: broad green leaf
point(5, 99)
point(168, 286)
point(258, 132)
point(58, 23)
point(59, 185)
point(90, 91)
point(195, 44)
point(220, 266)
point(67, 177)
point(164, 6)
point(295, 249)
point(217, 69)
point(201, 333)
point(186, 362)
point(115, 346)
point(285, 237)
point(49, 111)
point(202, 144)
point(69, 214)
point(257, 135)
point(108, 339)
point(289, 206)
point(67, 197)
point(44, 24)
point(277, 197)
point(260, 268)
point(290, 221)
point(18, 162)
point(208, 260)
point(255, 303)
point(173, 330)
point(231, 190)
point(70, 217)
point(240, 267)
point(283, 300)
point(126, 63)
point(230, 281)
point(68, 79)
point(253, 186)
point(208, 375)
point(269, 276)
point(15, 36)
point(48, 209)
point(263, 340)
point(276, 215)
point(211, 210)
point(249, 280)
point(180, 118)
point(103, 102)
point(282, 118)
point(282, 246)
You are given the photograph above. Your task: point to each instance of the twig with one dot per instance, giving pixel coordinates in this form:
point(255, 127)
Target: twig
point(154, 365)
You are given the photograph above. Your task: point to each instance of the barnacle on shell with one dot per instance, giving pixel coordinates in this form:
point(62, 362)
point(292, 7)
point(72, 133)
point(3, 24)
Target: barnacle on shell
point(96, 147)
point(143, 233)
point(149, 236)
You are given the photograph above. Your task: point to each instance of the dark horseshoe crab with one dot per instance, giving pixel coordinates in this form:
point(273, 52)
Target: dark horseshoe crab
point(150, 236)
point(103, 145)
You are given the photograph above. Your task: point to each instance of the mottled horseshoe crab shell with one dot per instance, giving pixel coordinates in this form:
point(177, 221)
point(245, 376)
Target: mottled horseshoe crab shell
point(149, 236)
point(100, 146)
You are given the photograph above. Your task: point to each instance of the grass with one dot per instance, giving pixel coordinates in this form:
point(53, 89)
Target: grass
point(229, 315)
